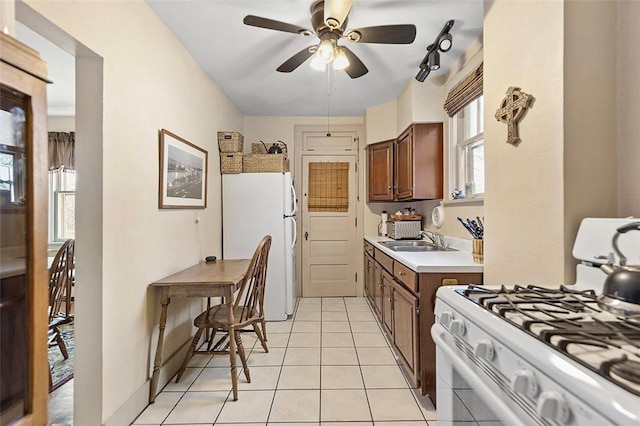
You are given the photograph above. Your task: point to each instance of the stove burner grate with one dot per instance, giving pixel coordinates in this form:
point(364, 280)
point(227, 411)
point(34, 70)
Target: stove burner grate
point(571, 322)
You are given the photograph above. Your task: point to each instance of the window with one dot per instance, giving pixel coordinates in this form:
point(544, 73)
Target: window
point(467, 149)
point(62, 204)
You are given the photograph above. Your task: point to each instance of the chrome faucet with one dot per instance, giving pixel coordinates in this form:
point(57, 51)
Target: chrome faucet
point(436, 238)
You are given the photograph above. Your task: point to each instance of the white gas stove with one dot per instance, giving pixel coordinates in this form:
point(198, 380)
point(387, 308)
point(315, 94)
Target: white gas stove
point(540, 355)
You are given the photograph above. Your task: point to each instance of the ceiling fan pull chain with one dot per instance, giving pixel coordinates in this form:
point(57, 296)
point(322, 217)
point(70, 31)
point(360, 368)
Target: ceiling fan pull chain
point(328, 102)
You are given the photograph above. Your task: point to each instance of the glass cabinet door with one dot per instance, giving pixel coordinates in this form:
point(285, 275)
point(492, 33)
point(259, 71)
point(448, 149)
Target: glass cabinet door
point(24, 374)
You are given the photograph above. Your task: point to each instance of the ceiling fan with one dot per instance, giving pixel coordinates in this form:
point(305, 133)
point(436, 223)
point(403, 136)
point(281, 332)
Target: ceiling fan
point(329, 20)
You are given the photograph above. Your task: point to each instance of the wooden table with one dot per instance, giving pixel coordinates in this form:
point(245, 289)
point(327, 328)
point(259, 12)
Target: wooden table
point(215, 279)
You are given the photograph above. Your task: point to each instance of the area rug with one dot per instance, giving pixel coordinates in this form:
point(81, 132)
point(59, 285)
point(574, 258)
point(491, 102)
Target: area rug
point(62, 369)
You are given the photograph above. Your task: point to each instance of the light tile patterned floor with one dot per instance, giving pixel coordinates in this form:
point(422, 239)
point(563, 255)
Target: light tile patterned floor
point(330, 365)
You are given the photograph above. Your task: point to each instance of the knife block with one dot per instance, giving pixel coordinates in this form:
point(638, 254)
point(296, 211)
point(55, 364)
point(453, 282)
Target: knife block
point(478, 250)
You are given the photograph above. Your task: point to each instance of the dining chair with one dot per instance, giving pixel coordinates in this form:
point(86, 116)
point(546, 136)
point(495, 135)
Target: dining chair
point(247, 311)
point(61, 276)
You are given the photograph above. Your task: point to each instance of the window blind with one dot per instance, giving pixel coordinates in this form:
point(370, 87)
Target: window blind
point(464, 92)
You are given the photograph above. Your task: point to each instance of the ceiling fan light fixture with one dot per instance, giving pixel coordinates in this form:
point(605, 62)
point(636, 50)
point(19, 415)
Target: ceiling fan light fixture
point(317, 63)
point(326, 50)
point(340, 60)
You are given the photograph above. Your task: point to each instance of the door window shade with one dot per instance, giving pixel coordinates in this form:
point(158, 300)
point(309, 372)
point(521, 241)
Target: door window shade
point(328, 187)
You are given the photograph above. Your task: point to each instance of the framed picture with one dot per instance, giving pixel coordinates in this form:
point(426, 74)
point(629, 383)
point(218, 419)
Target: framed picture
point(183, 173)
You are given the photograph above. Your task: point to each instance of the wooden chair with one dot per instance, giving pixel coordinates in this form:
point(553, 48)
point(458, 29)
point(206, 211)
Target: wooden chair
point(247, 311)
point(61, 275)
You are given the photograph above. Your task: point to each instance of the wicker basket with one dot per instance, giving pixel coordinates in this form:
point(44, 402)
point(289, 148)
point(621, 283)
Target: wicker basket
point(231, 163)
point(264, 163)
point(230, 141)
point(258, 148)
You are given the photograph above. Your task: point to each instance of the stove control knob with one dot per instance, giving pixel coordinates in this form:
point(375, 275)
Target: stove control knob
point(523, 381)
point(457, 327)
point(553, 406)
point(484, 349)
point(445, 318)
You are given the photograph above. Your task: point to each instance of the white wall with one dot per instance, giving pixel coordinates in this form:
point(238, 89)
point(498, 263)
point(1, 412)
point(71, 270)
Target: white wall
point(150, 82)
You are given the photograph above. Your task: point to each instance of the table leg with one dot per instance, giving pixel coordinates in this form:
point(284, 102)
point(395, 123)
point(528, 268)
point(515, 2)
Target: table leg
point(158, 358)
point(232, 347)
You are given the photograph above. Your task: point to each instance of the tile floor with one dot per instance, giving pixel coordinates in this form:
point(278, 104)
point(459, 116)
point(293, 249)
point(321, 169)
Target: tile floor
point(330, 365)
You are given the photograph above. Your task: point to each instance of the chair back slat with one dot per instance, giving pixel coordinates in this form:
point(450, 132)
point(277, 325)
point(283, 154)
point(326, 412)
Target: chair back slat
point(250, 297)
point(61, 276)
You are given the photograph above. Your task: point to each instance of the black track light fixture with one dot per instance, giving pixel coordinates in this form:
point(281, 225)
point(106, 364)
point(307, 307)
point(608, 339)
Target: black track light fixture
point(431, 61)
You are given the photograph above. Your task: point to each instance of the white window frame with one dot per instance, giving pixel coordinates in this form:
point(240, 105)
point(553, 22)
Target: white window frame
point(56, 222)
point(460, 161)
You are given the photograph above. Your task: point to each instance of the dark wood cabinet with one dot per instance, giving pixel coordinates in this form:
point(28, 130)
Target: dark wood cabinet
point(429, 284)
point(381, 171)
point(408, 168)
point(419, 162)
point(387, 301)
point(406, 336)
point(403, 302)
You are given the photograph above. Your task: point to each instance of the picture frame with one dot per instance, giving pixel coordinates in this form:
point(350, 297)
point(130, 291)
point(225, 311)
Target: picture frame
point(183, 173)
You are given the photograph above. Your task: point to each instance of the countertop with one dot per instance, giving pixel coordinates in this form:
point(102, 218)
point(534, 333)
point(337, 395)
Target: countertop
point(443, 261)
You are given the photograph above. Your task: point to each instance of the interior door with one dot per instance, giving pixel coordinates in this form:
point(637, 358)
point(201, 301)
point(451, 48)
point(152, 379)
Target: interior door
point(329, 225)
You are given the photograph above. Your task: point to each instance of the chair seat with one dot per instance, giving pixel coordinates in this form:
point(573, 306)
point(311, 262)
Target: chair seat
point(218, 317)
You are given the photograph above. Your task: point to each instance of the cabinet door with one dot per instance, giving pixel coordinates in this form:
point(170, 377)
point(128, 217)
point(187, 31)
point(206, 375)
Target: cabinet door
point(24, 376)
point(406, 329)
point(387, 302)
point(404, 165)
point(429, 284)
point(381, 171)
point(369, 276)
point(377, 289)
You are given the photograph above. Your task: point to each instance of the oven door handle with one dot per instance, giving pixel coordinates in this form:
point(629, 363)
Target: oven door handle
point(507, 415)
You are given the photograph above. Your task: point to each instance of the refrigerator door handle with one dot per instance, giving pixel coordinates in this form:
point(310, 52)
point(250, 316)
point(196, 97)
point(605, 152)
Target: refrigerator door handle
point(295, 232)
point(294, 201)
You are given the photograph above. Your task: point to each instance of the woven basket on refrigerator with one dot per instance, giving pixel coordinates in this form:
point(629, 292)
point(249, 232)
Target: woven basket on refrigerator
point(264, 163)
point(230, 141)
point(230, 163)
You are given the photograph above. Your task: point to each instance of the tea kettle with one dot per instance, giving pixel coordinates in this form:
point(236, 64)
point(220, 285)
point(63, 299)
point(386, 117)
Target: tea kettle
point(621, 292)
point(274, 148)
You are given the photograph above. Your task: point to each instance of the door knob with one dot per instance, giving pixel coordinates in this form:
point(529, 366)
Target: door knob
point(306, 236)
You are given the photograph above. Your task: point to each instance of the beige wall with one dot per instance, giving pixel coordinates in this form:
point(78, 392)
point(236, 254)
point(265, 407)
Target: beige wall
point(61, 123)
point(628, 108)
point(150, 82)
point(564, 168)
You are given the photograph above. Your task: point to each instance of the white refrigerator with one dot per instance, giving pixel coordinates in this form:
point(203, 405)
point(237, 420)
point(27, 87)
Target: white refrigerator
point(255, 205)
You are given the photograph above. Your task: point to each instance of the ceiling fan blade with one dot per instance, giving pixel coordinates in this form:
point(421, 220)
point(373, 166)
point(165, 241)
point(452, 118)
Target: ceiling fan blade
point(296, 60)
point(356, 68)
point(386, 34)
point(336, 12)
point(270, 24)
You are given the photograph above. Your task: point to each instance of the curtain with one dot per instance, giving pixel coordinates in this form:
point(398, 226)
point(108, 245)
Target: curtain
point(464, 92)
point(328, 187)
point(62, 150)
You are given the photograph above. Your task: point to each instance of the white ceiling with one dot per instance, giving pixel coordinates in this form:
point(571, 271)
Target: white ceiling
point(242, 60)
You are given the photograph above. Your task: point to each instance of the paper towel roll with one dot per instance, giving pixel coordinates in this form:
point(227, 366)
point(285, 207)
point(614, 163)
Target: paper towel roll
point(383, 228)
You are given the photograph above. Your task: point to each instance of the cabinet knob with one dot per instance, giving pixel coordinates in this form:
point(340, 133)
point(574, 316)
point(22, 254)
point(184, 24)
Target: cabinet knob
point(401, 273)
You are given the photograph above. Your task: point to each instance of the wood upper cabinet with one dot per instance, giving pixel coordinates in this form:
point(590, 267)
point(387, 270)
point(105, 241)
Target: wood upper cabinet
point(381, 171)
point(418, 163)
point(409, 168)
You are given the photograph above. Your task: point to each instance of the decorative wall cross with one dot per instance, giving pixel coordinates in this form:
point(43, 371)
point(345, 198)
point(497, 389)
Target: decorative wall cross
point(511, 110)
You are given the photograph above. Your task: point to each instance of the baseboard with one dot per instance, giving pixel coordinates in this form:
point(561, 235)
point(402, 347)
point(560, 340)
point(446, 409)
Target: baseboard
point(135, 405)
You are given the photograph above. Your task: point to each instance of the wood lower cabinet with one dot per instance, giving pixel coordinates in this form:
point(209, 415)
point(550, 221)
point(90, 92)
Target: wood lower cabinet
point(404, 301)
point(429, 284)
point(387, 301)
point(406, 328)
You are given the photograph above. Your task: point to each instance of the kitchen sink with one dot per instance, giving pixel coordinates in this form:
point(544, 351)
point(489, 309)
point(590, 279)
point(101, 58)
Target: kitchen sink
point(420, 245)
